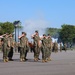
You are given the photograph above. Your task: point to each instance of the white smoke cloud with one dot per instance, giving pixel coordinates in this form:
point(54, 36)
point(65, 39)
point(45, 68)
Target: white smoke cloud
point(37, 24)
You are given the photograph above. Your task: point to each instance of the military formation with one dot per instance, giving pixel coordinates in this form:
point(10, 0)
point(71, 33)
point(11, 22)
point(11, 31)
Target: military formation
point(42, 44)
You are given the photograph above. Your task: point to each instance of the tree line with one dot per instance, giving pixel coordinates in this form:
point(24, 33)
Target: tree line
point(66, 34)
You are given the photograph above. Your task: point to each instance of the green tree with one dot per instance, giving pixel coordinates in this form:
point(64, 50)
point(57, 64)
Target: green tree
point(67, 33)
point(54, 32)
point(1, 30)
point(6, 27)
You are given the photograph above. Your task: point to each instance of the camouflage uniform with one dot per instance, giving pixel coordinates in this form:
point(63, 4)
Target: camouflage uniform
point(65, 47)
point(23, 47)
point(0, 44)
point(49, 47)
point(55, 47)
point(10, 54)
point(36, 47)
point(5, 48)
point(27, 48)
point(60, 47)
point(44, 50)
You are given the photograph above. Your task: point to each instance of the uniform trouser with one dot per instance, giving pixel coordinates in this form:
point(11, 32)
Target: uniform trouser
point(10, 54)
point(44, 53)
point(18, 49)
point(49, 52)
point(5, 52)
point(65, 49)
point(60, 49)
point(36, 52)
point(22, 52)
point(27, 50)
point(56, 49)
point(26, 54)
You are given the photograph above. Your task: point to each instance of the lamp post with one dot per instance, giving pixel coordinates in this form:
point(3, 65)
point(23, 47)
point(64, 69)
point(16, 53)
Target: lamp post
point(16, 25)
point(19, 23)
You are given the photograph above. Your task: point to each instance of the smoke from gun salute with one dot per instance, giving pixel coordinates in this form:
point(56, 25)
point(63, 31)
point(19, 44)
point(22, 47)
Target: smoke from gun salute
point(32, 25)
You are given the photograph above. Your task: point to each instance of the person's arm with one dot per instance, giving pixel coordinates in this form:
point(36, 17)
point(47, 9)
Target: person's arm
point(41, 37)
point(20, 36)
point(1, 36)
point(32, 36)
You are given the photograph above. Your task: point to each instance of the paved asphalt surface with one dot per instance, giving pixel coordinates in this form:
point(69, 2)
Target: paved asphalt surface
point(63, 63)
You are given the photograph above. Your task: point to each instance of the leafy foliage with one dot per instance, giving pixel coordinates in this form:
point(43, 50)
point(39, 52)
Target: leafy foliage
point(6, 27)
point(67, 33)
point(54, 32)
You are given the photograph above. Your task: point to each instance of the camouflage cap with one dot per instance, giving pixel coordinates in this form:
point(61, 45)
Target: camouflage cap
point(5, 34)
point(24, 33)
point(48, 34)
point(10, 35)
point(44, 34)
point(36, 31)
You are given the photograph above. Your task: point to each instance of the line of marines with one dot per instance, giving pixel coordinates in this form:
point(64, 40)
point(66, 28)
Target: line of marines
point(42, 44)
